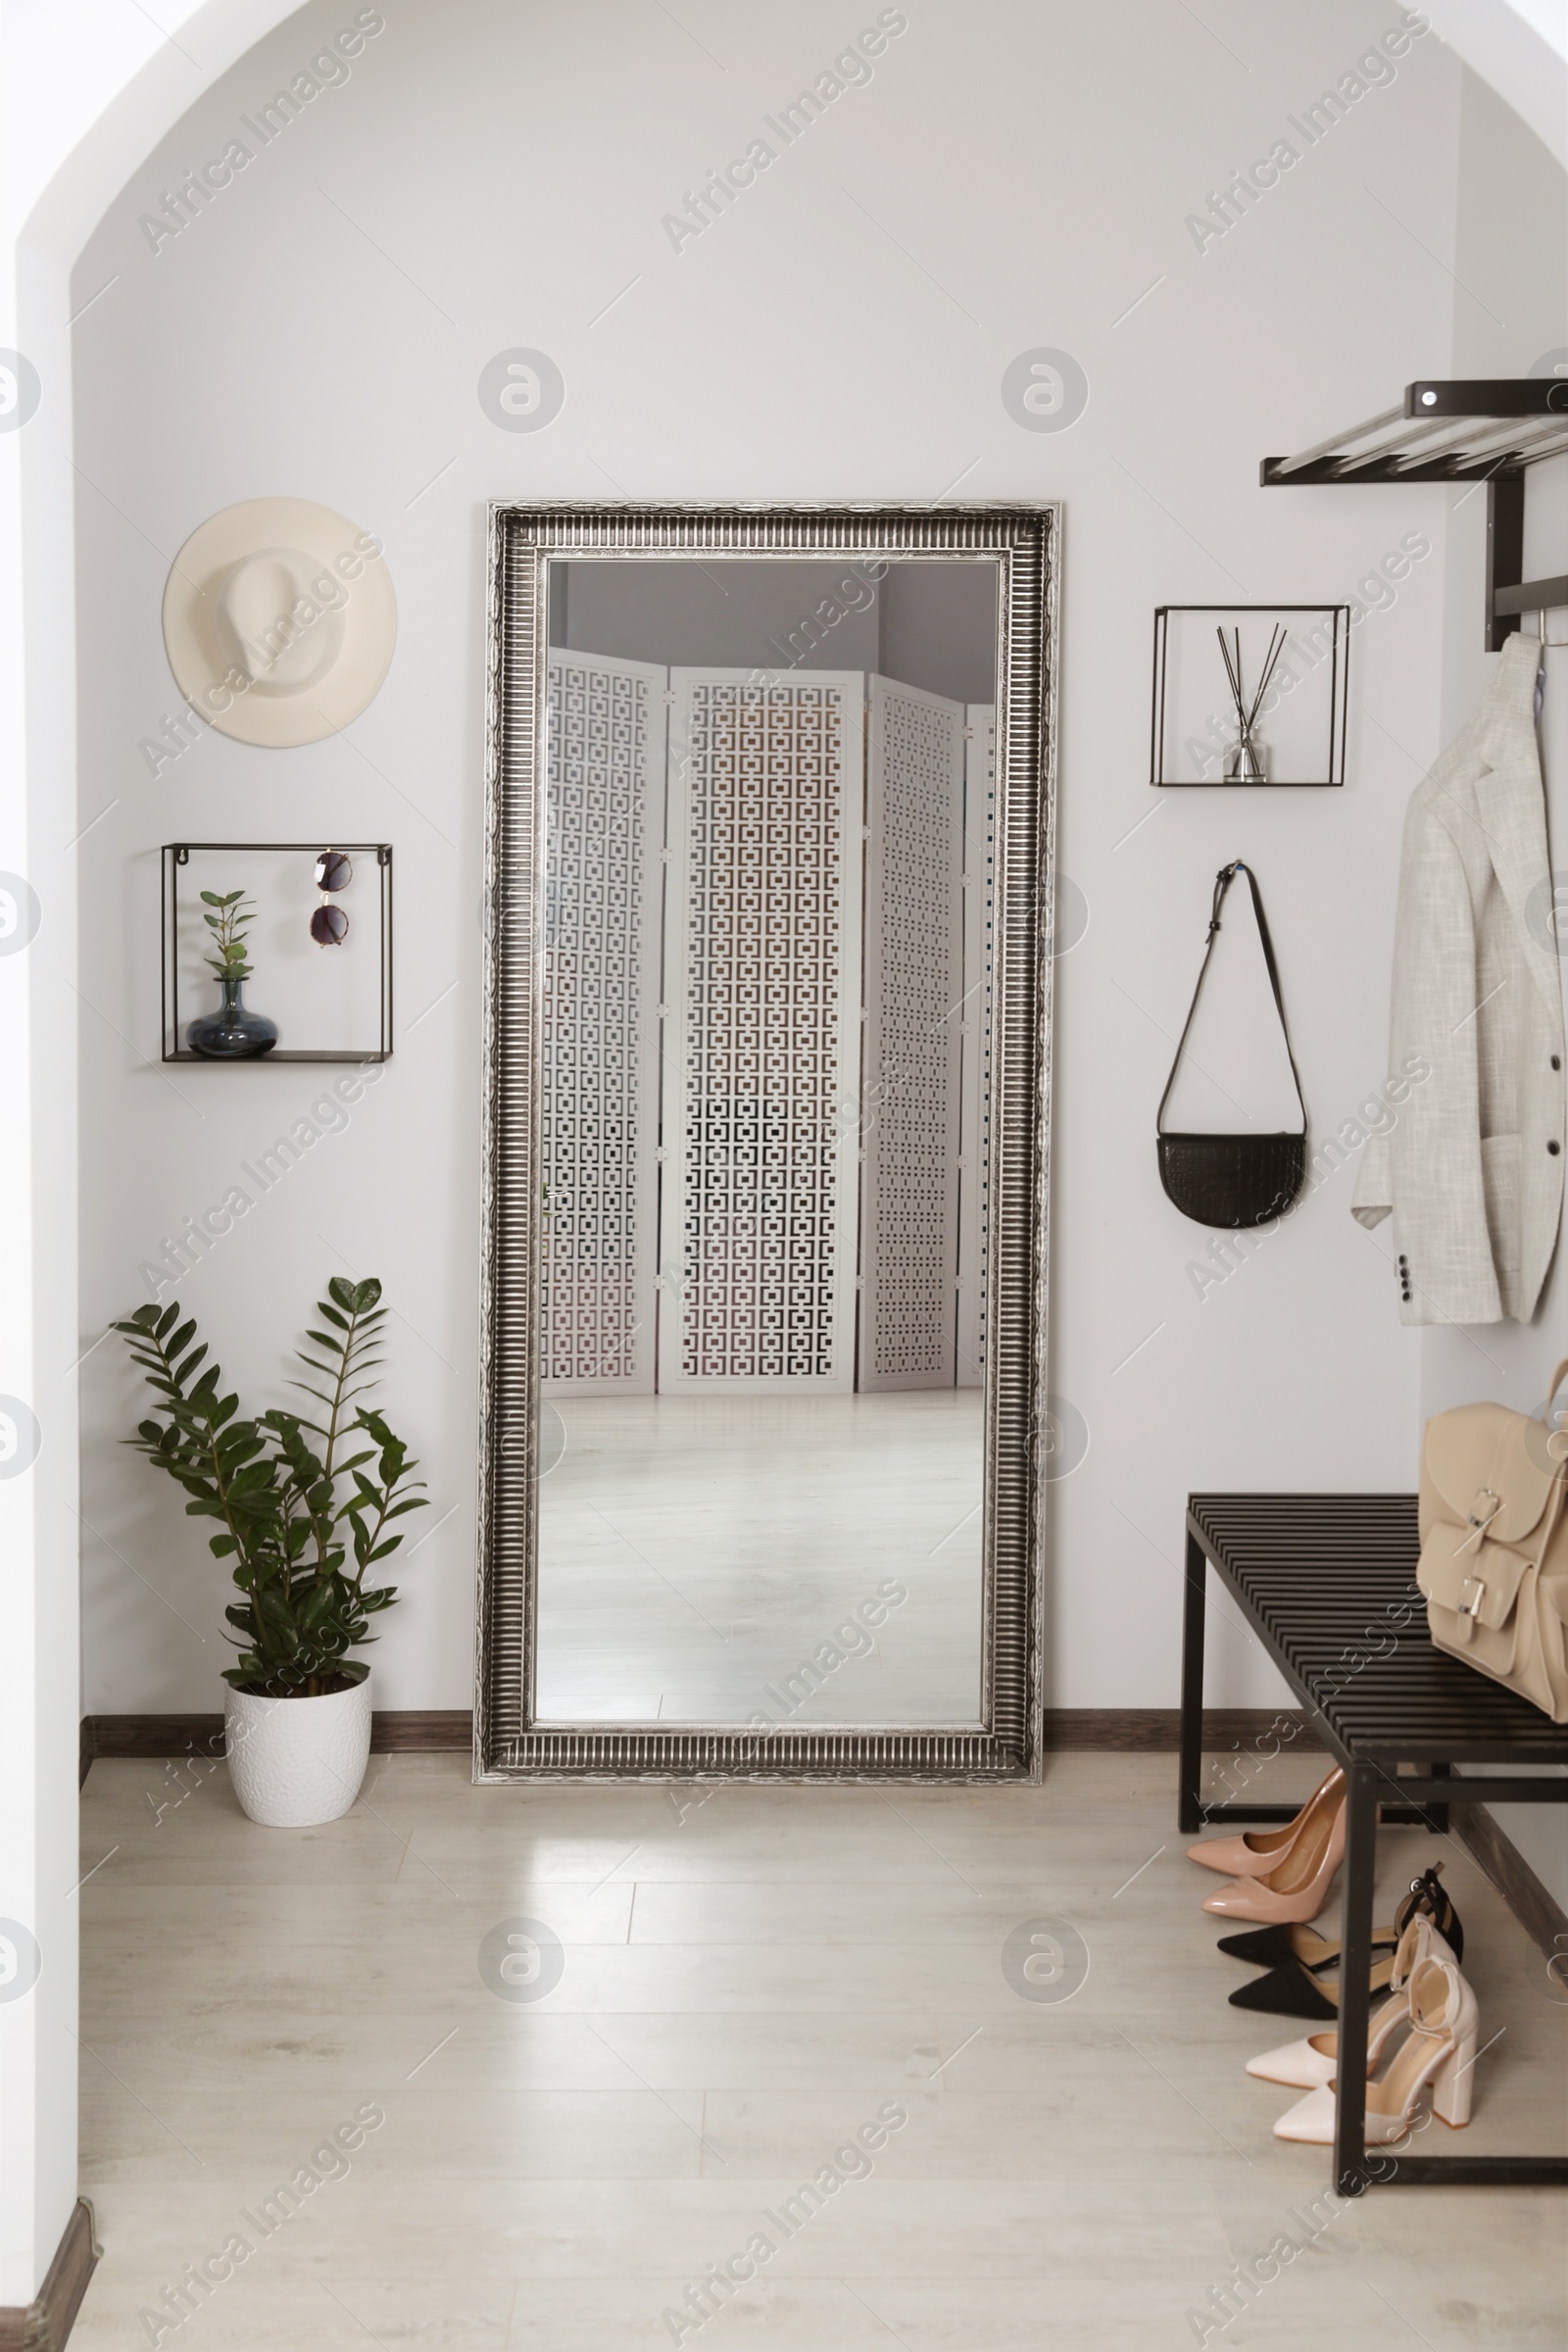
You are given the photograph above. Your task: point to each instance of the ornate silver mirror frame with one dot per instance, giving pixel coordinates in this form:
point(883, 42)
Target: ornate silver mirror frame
point(1024, 542)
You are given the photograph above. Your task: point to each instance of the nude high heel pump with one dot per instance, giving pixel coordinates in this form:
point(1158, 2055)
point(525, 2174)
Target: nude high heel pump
point(1444, 2024)
point(1310, 2063)
point(1256, 1852)
point(1298, 1886)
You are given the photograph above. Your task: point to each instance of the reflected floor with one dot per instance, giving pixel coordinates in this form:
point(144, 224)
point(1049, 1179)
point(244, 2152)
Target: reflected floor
point(709, 1559)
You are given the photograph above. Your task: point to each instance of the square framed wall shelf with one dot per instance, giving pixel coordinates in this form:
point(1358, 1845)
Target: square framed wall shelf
point(304, 930)
point(1250, 695)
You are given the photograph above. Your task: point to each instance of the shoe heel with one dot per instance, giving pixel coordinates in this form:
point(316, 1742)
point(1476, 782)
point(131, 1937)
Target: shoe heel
point(1454, 2083)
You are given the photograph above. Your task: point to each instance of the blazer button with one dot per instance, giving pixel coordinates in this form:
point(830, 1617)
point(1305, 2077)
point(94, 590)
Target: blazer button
point(1554, 1148)
point(1556, 1061)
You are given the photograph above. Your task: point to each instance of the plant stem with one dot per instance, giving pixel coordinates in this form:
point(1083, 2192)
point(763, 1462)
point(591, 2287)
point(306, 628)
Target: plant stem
point(339, 1386)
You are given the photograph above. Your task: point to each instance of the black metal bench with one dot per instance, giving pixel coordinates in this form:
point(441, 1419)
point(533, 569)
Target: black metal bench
point(1328, 1583)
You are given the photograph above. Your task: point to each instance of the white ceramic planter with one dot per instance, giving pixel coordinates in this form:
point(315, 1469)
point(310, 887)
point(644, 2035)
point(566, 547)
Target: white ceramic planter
point(295, 1762)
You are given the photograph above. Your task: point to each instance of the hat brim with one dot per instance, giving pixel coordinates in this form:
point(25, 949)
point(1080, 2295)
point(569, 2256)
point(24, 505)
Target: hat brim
point(350, 559)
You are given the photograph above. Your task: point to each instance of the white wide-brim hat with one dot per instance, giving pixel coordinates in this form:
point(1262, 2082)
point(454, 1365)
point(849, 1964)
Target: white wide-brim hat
point(279, 620)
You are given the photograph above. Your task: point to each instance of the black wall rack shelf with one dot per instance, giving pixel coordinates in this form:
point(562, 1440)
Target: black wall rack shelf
point(1490, 430)
point(175, 857)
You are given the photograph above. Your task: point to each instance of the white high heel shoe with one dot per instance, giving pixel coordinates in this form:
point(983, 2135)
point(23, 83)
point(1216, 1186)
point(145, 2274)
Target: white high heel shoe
point(1310, 2064)
point(1442, 2050)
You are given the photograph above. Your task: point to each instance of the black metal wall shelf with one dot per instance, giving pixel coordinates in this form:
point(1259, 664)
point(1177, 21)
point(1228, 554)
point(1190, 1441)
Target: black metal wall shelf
point(1487, 430)
point(176, 859)
point(1324, 650)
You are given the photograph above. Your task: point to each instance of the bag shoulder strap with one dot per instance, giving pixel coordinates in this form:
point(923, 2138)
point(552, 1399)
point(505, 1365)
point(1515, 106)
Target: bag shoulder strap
point(1223, 882)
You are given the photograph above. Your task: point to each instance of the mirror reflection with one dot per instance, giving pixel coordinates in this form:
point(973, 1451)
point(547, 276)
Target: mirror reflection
point(767, 984)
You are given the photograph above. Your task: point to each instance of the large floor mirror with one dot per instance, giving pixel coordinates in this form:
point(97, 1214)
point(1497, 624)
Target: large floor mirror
point(768, 1018)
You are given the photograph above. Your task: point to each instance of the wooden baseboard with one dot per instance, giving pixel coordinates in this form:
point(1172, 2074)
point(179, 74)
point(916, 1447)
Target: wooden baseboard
point(417, 1731)
point(44, 2326)
point(151, 1736)
point(1534, 1905)
point(1157, 1730)
point(449, 1731)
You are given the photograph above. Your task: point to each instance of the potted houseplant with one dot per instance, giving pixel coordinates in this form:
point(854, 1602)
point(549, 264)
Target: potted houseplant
point(294, 1498)
point(233, 1033)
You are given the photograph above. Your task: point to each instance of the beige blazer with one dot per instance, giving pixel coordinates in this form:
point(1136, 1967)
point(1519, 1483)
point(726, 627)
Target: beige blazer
point(1472, 1167)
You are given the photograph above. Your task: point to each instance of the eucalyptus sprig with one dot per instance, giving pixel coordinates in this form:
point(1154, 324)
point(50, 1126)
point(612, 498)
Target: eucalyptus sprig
point(285, 1520)
point(230, 915)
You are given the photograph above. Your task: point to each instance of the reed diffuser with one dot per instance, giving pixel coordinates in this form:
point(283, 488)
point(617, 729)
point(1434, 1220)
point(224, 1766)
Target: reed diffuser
point(1246, 759)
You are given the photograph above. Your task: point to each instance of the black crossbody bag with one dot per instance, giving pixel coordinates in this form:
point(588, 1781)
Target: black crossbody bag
point(1233, 1180)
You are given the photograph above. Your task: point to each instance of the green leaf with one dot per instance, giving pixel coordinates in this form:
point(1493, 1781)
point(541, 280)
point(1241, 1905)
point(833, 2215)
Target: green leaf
point(366, 1295)
point(342, 1292)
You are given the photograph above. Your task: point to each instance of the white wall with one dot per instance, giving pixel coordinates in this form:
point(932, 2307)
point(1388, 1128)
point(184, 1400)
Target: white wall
point(88, 84)
point(484, 181)
point(80, 87)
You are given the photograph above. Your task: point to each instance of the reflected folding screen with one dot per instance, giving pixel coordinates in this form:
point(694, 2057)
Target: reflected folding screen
point(766, 1005)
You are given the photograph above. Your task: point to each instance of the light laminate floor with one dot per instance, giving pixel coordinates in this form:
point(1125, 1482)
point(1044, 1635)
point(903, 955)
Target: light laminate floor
point(748, 1976)
point(735, 1556)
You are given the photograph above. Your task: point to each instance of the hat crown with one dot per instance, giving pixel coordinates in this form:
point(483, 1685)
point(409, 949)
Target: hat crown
point(280, 615)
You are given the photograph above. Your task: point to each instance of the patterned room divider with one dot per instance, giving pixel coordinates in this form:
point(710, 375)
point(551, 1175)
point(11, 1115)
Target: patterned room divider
point(607, 730)
point(910, 1080)
point(762, 984)
point(755, 1171)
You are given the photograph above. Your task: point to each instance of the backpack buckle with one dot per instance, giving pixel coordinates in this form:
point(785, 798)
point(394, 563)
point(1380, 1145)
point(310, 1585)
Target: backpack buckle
point(1471, 1593)
point(1481, 1520)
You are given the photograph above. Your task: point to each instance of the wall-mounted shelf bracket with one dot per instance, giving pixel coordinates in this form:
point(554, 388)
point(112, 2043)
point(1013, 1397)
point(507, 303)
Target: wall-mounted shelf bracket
point(1488, 431)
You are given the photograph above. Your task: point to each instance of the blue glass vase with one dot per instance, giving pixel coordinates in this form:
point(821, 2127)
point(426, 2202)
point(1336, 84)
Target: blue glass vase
point(231, 1033)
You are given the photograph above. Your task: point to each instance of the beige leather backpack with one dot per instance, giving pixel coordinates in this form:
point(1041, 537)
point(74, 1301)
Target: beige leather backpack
point(1494, 1545)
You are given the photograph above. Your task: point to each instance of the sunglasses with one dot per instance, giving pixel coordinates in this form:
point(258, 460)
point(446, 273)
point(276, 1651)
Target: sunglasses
point(329, 925)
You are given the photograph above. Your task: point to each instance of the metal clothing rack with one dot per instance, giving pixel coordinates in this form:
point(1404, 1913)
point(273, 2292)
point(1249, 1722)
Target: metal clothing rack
point(1488, 431)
